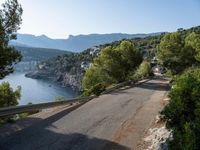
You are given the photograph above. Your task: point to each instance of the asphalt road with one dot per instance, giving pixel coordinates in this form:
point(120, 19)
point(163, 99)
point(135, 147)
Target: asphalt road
point(115, 121)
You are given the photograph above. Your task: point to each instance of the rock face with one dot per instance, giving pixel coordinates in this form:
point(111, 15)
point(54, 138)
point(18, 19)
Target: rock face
point(72, 80)
point(158, 138)
point(38, 75)
point(66, 69)
point(65, 79)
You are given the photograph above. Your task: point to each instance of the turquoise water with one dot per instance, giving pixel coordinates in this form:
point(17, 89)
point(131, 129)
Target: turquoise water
point(38, 91)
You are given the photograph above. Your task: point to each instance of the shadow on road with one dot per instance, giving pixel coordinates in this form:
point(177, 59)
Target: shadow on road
point(44, 139)
point(156, 84)
point(43, 136)
point(9, 128)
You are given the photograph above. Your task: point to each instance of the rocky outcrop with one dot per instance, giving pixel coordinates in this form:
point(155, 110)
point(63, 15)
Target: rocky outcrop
point(65, 69)
point(157, 137)
point(65, 78)
point(73, 80)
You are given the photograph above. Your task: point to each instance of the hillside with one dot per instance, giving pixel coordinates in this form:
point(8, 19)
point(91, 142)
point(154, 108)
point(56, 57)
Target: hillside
point(39, 54)
point(69, 69)
point(73, 43)
point(33, 56)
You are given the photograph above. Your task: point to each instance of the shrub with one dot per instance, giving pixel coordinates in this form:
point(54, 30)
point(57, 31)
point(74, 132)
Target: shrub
point(96, 90)
point(93, 76)
point(112, 65)
point(182, 114)
point(58, 99)
point(176, 52)
point(143, 71)
point(9, 97)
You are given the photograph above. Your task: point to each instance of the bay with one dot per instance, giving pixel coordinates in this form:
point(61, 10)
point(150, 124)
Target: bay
point(38, 91)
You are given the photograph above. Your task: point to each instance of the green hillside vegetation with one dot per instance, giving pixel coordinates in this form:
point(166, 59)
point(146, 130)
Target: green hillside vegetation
point(183, 112)
point(113, 65)
point(71, 63)
point(39, 54)
point(179, 52)
point(143, 71)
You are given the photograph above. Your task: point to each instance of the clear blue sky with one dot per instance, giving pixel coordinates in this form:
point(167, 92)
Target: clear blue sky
point(59, 18)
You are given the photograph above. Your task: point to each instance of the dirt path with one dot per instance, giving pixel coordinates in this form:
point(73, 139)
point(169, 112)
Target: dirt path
point(112, 121)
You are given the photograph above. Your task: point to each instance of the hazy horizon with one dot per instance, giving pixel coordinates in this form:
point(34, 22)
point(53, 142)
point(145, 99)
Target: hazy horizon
point(101, 33)
point(62, 18)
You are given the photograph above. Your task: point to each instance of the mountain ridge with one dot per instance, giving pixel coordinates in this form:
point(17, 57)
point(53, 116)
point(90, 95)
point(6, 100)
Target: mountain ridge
point(74, 43)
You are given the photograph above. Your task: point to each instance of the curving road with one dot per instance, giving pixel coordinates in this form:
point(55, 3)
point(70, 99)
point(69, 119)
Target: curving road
point(115, 121)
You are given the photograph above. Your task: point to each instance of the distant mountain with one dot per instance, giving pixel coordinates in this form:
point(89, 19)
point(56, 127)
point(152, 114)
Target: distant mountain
point(73, 43)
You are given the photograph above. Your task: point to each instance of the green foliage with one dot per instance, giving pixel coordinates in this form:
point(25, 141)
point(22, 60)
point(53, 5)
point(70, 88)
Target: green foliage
point(179, 51)
point(193, 41)
point(143, 71)
point(10, 19)
point(25, 114)
point(109, 63)
point(9, 97)
point(118, 61)
point(96, 90)
point(173, 54)
point(113, 65)
point(22, 115)
point(93, 76)
point(183, 111)
point(39, 54)
point(70, 63)
point(60, 98)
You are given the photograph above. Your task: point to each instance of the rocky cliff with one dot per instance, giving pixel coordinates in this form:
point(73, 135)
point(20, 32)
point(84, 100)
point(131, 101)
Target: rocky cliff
point(65, 78)
point(67, 69)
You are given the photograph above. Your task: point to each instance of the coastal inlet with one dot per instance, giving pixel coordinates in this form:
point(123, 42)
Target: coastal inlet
point(38, 90)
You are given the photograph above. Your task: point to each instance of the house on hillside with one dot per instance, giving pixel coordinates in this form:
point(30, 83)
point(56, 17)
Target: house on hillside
point(85, 65)
point(154, 62)
point(158, 69)
point(95, 51)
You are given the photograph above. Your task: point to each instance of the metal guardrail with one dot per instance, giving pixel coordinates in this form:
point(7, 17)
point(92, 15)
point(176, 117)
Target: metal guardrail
point(33, 107)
